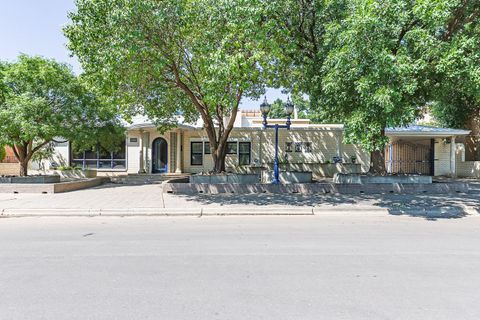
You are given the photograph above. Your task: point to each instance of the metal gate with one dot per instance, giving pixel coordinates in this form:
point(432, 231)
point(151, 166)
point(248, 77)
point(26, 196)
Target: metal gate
point(410, 158)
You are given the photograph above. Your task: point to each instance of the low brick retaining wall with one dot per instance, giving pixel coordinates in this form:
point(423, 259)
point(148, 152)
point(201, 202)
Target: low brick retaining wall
point(9, 169)
point(317, 188)
point(50, 187)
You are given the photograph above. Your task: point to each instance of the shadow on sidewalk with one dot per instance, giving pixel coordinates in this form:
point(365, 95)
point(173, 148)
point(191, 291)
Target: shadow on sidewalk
point(270, 199)
point(430, 207)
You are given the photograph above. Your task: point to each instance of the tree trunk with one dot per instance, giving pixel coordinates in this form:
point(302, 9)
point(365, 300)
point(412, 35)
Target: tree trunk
point(23, 168)
point(377, 162)
point(219, 165)
point(21, 153)
point(219, 158)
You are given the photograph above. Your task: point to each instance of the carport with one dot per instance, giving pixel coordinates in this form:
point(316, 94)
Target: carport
point(423, 150)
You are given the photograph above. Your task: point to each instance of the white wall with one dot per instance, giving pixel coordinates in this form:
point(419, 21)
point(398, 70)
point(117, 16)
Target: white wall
point(60, 157)
point(133, 152)
point(442, 157)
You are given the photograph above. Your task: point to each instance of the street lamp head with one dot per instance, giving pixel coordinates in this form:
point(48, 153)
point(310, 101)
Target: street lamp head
point(265, 107)
point(289, 107)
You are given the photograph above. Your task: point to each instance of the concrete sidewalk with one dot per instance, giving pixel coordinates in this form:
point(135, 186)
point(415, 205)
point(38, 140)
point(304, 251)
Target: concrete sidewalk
point(150, 200)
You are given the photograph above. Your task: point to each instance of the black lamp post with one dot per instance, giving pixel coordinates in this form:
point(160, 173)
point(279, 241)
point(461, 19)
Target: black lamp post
point(265, 109)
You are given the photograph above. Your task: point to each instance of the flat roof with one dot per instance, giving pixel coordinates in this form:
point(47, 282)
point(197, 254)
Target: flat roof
point(417, 130)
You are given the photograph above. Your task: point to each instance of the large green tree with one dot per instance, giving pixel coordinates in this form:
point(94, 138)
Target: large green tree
point(377, 63)
point(277, 110)
point(457, 102)
point(42, 101)
point(188, 58)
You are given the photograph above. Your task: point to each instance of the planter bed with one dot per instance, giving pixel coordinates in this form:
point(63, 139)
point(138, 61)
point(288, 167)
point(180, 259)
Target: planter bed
point(31, 179)
point(316, 188)
point(76, 173)
point(231, 178)
point(50, 187)
point(288, 177)
point(367, 179)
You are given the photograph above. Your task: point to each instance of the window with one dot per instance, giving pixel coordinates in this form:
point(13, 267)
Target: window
point(298, 147)
point(99, 157)
point(232, 147)
point(307, 147)
point(244, 153)
point(207, 148)
point(288, 147)
point(196, 154)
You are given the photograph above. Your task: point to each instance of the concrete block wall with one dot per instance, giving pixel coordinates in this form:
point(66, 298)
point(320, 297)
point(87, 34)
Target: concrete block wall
point(468, 169)
point(321, 170)
point(363, 157)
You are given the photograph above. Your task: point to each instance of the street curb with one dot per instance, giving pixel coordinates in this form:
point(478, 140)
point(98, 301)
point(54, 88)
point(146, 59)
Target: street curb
point(166, 212)
point(228, 211)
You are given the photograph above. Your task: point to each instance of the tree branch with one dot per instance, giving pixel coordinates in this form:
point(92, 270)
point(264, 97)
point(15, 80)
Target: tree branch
point(38, 147)
point(459, 19)
point(15, 152)
point(402, 34)
point(202, 109)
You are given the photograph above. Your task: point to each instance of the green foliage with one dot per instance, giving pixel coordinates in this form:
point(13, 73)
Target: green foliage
point(108, 137)
point(369, 64)
point(163, 59)
point(277, 109)
point(457, 96)
point(68, 168)
point(377, 64)
point(43, 99)
point(3, 153)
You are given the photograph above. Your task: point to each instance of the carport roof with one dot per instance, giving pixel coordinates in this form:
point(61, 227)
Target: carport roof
point(417, 130)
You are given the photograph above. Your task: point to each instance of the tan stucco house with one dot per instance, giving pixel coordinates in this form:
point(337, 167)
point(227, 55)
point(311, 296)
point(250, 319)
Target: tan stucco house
point(306, 147)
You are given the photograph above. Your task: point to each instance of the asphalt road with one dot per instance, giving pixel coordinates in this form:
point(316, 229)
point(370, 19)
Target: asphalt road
point(319, 267)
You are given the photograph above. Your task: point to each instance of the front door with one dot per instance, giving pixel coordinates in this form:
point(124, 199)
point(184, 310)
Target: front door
point(159, 156)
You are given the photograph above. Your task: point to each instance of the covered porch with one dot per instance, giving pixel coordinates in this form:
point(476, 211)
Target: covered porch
point(423, 150)
point(152, 152)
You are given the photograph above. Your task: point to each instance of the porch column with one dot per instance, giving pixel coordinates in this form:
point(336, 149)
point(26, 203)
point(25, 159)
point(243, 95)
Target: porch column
point(141, 166)
point(453, 158)
point(338, 141)
point(178, 163)
point(146, 147)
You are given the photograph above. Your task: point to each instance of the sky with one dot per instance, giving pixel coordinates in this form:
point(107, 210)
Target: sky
point(34, 27)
